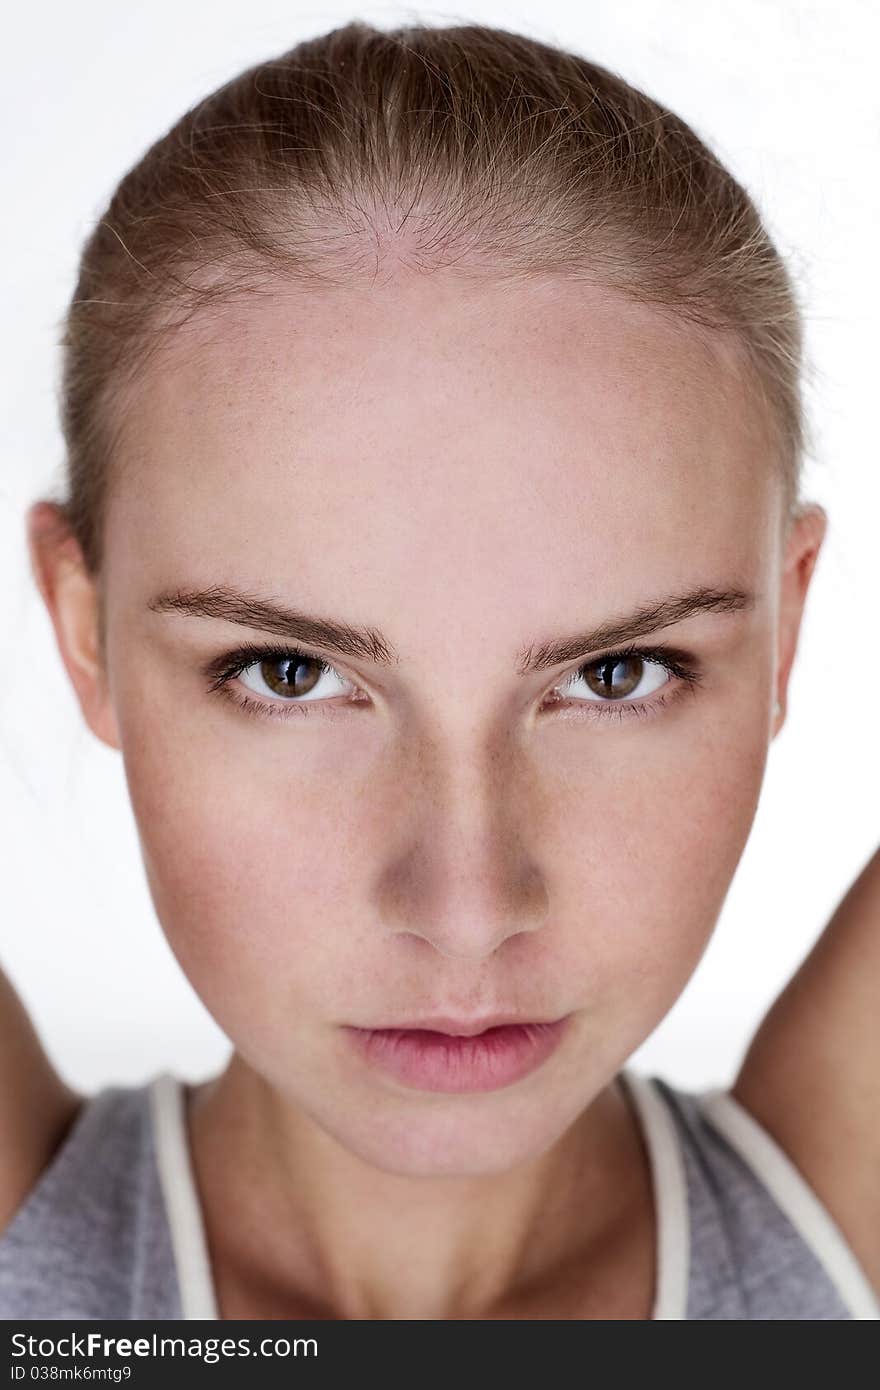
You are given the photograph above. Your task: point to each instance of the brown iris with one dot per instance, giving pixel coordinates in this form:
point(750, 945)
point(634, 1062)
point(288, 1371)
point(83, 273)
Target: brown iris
point(600, 676)
point(300, 674)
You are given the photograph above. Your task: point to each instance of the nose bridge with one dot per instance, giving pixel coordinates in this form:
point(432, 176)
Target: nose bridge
point(466, 878)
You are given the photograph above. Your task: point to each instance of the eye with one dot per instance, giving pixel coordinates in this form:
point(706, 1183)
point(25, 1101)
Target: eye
point(292, 676)
point(619, 683)
point(286, 680)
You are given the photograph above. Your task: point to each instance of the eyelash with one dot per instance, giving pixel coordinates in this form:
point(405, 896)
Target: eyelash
point(679, 664)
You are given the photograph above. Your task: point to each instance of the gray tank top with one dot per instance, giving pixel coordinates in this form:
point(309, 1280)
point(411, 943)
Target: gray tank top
point(113, 1228)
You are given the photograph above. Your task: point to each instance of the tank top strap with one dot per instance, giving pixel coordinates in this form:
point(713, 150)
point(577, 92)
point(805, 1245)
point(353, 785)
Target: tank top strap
point(793, 1195)
point(669, 1186)
point(182, 1205)
point(761, 1245)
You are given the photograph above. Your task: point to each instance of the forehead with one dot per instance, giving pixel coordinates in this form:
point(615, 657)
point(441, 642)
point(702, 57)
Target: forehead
point(424, 427)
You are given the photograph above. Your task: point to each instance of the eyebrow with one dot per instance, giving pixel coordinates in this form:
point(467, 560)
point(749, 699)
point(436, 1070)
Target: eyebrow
point(367, 643)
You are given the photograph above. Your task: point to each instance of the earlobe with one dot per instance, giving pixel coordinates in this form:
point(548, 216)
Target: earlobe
point(72, 600)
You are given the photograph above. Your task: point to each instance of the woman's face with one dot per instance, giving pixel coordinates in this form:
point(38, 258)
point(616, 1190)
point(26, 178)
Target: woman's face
point(472, 473)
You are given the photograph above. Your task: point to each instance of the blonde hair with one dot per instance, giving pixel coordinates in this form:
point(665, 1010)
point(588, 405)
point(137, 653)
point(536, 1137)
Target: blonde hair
point(466, 147)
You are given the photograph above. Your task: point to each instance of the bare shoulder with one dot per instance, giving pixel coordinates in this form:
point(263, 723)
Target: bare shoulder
point(811, 1075)
point(36, 1106)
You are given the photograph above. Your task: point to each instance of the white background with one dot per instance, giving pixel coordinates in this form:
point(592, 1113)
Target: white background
point(786, 93)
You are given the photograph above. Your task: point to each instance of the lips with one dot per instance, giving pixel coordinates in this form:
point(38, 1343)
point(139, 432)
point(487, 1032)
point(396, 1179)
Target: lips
point(484, 1059)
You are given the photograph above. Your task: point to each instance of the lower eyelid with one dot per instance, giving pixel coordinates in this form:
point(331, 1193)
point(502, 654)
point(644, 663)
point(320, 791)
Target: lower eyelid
point(601, 709)
point(268, 709)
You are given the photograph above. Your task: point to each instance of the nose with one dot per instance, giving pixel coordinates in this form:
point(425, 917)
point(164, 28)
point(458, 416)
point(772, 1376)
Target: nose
point(466, 878)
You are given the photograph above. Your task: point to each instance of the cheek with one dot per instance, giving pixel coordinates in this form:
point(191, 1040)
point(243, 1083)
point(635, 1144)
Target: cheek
point(246, 869)
point(652, 845)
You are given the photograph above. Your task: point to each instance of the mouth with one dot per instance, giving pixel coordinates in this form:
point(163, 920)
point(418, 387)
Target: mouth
point(460, 1056)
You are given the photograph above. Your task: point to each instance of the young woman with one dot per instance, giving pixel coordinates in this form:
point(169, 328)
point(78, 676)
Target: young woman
point(434, 555)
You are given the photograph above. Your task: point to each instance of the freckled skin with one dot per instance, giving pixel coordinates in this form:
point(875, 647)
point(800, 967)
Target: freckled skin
point(470, 469)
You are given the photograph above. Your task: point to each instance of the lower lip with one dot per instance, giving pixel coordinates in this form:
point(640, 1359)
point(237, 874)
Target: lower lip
point(433, 1061)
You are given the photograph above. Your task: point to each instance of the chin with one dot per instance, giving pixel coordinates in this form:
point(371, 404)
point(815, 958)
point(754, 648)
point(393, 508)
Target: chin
point(450, 1136)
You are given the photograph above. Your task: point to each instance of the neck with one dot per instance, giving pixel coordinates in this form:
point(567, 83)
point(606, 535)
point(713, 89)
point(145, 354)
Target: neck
point(296, 1221)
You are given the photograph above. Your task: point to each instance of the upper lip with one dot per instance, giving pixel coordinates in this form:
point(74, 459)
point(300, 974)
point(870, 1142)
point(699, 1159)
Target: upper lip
point(460, 1027)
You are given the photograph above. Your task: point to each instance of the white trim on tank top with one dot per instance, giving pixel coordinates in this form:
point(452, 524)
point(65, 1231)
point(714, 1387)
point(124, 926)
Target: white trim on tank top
point(182, 1206)
point(787, 1185)
point(669, 1183)
point(186, 1225)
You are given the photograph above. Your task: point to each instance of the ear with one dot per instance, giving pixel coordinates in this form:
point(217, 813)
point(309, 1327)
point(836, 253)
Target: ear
point(72, 598)
point(803, 543)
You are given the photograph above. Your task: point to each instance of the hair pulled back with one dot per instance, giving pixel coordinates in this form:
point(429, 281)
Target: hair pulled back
point(463, 147)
